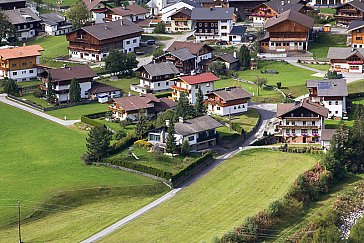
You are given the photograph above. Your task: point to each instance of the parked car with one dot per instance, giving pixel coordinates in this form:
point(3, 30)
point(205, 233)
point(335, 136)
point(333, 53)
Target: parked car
point(150, 42)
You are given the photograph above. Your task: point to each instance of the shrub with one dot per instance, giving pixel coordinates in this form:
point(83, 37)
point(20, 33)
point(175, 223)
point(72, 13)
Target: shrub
point(186, 149)
point(237, 128)
point(276, 208)
point(122, 144)
point(279, 85)
point(119, 134)
point(126, 122)
point(143, 144)
point(38, 93)
point(86, 158)
point(91, 122)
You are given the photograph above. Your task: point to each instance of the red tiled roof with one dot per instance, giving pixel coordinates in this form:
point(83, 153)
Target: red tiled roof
point(20, 52)
point(199, 78)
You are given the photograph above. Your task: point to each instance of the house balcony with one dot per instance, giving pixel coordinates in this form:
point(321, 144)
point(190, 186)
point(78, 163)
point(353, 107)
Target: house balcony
point(355, 62)
point(206, 34)
point(288, 39)
point(342, 16)
point(179, 88)
point(207, 138)
point(299, 127)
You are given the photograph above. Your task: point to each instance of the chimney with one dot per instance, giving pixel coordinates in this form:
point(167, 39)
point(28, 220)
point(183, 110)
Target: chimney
point(180, 119)
point(122, 22)
point(167, 123)
point(235, 55)
point(282, 2)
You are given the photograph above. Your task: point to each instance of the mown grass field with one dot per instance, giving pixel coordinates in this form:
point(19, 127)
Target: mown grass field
point(63, 2)
point(40, 163)
point(356, 87)
point(220, 201)
point(75, 112)
point(123, 84)
point(322, 67)
point(54, 46)
point(320, 46)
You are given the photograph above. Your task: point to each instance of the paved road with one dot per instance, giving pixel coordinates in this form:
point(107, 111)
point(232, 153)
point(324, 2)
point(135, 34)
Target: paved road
point(267, 112)
point(36, 112)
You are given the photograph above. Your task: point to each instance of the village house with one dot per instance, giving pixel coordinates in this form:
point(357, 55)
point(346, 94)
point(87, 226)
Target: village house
point(331, 93)
point(155, 6)
point(61, 79)
point(213, 23)
point(128, 107)
point(230, 60)
point(155, 77)
point(98, 9)
point(243, 8)
point(200, 50)
point(326, 137)
point(356, 34)
point(173, 8)
point(20, 63)
point(182, 59)
point(200, 133)
point(25, 21)
point(181, 20)
point(289, 31)
point(351, 10)
point(12, 4)
point(326, 3)
point(103, 92)
point(191, 84)
point(300, 122)
point(272, 8)
point(55, 24)
point(132, 13)
point(214, 3)
point(346, 59)
point(228, 101)
point(93, 43)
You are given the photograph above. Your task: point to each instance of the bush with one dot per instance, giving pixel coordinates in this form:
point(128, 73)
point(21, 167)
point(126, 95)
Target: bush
point(279, 85)
point(186, 149)
point(86, 158)
point(122, 144)
point(90, 122)
point(119, 135)
point(38, 93)
point(275, 209)
point(143, 144)
point(237, 128)
point(126, 122)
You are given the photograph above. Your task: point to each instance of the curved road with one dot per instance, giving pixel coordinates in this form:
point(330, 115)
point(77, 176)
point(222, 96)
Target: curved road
point(267, 113)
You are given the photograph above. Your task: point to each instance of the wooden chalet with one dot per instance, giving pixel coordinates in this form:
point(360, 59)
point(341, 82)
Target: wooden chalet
point(214, 3)
point(182, 59)
point(356, 34)
point(353, 10)
point(243, 8)
point(287, 32)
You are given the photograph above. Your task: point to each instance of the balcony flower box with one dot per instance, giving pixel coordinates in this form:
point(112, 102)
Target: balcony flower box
point(315, 134)
point(304, 134)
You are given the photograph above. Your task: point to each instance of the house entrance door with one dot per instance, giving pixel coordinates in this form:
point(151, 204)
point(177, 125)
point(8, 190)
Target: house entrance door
point(304, 140)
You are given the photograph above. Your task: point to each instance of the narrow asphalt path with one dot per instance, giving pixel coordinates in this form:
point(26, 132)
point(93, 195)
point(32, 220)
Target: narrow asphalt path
point(267, 113)
point(36, 112)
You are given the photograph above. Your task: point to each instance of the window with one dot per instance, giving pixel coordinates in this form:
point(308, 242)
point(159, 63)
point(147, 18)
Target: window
point(223, 27)
point(93, 55)
point(287, 122)
point(15, 73)
point(234, 107)
point(293, 123)
point(31, 71)
point(313, 123)
point(167, 83)
point(330, 102)
point(196, 86)
point(287, 130)
point(23, 72)
point(127, 42)
point(134, 41)
point(14, 65)
point(336, 112)
point(314, 131)
point(293, 130)
point(199, 24)
point(218, 108)
point(159, 84)
point(208, 85)
point(304, 123)
point(24, 63)
point(304, 131)
point(359, 38)
point(191, 138)
point(336, 102)
point(206, 24)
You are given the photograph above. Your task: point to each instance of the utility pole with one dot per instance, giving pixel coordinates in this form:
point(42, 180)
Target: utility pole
point(19, 221)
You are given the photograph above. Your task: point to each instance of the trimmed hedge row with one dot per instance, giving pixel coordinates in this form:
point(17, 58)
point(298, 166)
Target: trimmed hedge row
point(237, 128)
point(122, 144)
point(356, 95)
point(163, 95)
point(91, 122)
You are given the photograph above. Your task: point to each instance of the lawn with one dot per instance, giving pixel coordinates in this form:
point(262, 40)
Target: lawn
point(215, 204)
point(54, 46)
point(320, 46)
point(75, 112)
point(156, 37)
point(40, 165)
point(322, 67)
point(63, 2)
point(29, 83)
point(38, 101)
point(162, 162)
point(116, 126)
point(356, 87)
point(327, 10)
point(123, 84)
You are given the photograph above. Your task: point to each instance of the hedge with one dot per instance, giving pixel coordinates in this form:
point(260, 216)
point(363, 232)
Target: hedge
point(356, 95)
point(97, 115)
point(163, 95)
point(122, 144)
point(90, 121)
point(237, 128)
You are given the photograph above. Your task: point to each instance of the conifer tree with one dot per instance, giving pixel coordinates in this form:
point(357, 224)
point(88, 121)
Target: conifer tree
point(171, 140)
point(75, 91)
point(200, 107)
point(98, 142)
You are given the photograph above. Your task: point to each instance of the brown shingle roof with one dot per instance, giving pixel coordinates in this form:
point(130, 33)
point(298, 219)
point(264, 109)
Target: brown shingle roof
point(292, 15)
point(90, 4)
point(133, 9)
point(283, 109)
point(112, 29)
point(145, 101)
point(20, 52)
point(97, 88)
point(193, 47)
point(232, 93)
point(68, 73)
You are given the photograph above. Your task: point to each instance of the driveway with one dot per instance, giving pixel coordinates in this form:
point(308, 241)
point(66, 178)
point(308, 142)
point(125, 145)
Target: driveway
point(36, 112)
point(267, 113)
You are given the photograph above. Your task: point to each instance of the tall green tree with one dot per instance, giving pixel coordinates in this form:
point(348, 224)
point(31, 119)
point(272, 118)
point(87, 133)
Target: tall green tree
point(78, 14)
point(171, 139)
point(119, 62)
point(98, 142)
point(244, 56)
point(357, 138)
point(184, 108)
point(260, 82)
point(160, 28)
point(7, 29)
point(331, 74)
point(75, 91)
point(11, 87)
point(50, 89)
point(141, 126)
point(200, 107)
point(166, 115)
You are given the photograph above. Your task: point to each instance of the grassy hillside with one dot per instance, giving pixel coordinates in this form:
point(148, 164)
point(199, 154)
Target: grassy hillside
point(40, 163)
point(240, 187)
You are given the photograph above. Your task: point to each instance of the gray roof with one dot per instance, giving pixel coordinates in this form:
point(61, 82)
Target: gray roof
point(196, 125)
point(329, 87)
point(327, 134)
point(52, 18)
point(344, 52)
point(277, 6)
point(97, 88)
point(232, 93)
point(21, 16)
point(238, 30)
point(212, 13)
point(112, 29)
point(228, 57)
point(161, 68)
point(292, 15)
point(11, 1)
point(355, 3)
point(192, 3)
point(183, 54)
point(355, 24)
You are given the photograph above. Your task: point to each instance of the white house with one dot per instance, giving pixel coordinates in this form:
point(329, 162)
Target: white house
point(191, 84)
point(155, 6)
point(228, 101)
point(98, 9)
point(331, 93)
point(326, 137)
point(55, 24)
point(173, 8)
point(200, 133)
point(346, 59)
point(155, 77)
point(132, 12)
point(202, 51)
point(103, 92)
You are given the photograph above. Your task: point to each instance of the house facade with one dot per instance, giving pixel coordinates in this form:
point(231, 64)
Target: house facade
point(55, 24)
point(20, 63)
point(181, 20)
point(200, 133)
point(346, 59)
point(191, 84)
point(103, 92)
point(356, 34)
point(287, 32)
point(173, 8)
point(300, 122)
point(244, 7)
point(98, 9)
point(132, 13)
point(228, 101)
point(213, 23)
point(61, 80)
point(182, 59)
point(93, 43)
point(128, 107)
point(331, 93)
point(26, 22)
point(352, 10)
point(155, 77)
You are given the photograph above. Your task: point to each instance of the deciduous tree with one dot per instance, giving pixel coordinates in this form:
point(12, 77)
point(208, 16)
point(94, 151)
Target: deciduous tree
point(78, 14)
point(218, 68)
point(119, 62)
point(75, 91)
point(11, 87)
point(160, 28)
point(260, 82)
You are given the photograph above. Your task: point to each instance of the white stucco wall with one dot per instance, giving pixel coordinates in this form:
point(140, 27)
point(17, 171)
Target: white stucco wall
point(224, 111)
point(21, 75)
